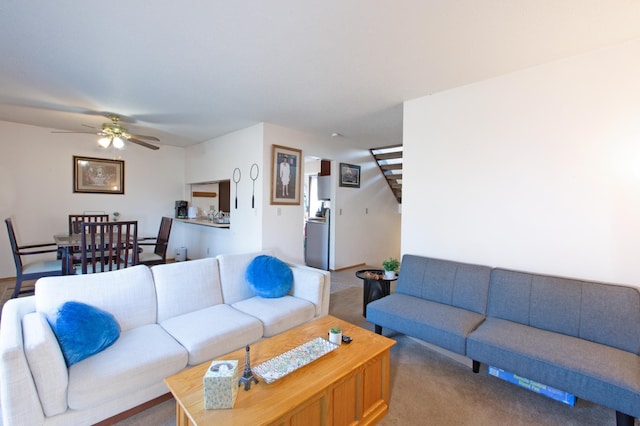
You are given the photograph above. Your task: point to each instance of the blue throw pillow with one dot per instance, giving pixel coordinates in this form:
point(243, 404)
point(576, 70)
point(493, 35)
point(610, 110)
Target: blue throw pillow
point(83, 330)
point(269, 277)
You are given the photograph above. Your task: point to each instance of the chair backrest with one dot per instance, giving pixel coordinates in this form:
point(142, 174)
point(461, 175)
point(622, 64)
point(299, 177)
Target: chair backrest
point(107, 246)
point(14, 245)
point(76, 220)
point(162, 242)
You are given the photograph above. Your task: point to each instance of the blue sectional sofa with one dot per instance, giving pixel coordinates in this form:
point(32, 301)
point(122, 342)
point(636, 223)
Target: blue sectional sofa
point(578, 336)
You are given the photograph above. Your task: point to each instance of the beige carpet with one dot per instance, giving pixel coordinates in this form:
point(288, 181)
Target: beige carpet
point(429, 388)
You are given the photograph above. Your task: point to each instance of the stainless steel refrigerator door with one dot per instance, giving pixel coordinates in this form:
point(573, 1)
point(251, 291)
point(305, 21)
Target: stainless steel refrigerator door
point(317, 245)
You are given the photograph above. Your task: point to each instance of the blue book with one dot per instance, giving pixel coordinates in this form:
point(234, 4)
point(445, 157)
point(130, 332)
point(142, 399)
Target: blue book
point(548, 391)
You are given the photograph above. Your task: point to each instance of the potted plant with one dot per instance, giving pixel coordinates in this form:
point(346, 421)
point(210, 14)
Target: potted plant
point(335, 335)
point(390, 267)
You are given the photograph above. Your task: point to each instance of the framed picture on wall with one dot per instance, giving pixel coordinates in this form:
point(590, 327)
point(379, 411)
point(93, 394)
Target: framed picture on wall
point(349, 175)
point(286, 171)
point(98, 175)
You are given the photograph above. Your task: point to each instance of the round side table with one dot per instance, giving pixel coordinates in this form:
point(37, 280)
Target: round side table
point(375, 286)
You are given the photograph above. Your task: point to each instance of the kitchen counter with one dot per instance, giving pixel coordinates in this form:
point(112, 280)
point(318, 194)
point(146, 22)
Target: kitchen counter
point(204, 222)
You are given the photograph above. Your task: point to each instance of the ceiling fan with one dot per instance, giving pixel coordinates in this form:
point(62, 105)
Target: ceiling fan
point(114, 134)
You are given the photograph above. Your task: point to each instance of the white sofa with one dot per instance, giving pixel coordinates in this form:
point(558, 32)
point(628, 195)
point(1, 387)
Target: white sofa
point(171, 317)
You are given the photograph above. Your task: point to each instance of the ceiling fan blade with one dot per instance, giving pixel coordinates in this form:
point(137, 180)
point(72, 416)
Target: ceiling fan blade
point(151, 138)
point(141, 143)
point(85, 133)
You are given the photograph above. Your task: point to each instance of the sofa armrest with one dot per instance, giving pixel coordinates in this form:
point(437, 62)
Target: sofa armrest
point(20, 402)
point(313, 285)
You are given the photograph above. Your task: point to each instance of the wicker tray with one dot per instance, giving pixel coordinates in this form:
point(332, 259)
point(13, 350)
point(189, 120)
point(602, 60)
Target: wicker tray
point(288, 362)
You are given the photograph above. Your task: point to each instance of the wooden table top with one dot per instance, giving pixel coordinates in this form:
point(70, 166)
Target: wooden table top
point(63, 240)
point(265, 401)
point(66, 240)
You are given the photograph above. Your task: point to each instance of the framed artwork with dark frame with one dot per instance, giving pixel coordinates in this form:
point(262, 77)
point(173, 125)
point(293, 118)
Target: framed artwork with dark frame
point(349, 175)
point(98, 175)
point(286, 171)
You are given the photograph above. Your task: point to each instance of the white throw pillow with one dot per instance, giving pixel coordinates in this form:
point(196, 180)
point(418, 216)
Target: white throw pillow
point(46, 362)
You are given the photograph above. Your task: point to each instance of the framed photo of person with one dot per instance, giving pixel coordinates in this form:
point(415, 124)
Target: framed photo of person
point(349, 175)
point(286, 172)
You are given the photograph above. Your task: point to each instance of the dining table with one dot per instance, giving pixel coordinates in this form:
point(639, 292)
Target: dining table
point(67, 243)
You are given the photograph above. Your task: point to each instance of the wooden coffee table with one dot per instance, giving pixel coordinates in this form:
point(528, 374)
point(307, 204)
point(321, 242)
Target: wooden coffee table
point(349, 385)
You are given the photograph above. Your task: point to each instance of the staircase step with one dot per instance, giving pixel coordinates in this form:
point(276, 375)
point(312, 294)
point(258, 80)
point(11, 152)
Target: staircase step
point(389, 160)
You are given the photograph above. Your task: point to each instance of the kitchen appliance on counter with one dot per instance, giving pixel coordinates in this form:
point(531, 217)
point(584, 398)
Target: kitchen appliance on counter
point(316, 241)
point(192, 212)
point(181, 209)
point(322, 211)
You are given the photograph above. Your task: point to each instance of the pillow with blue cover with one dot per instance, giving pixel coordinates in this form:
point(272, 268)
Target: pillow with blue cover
point(83, 330)
point(269, 277)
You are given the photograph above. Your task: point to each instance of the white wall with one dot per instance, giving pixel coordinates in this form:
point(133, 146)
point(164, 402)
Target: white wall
point(36, 185)
point(365, 222)
point(359, 237)
point(215, 160)
point(36, 190)
point(538, 170)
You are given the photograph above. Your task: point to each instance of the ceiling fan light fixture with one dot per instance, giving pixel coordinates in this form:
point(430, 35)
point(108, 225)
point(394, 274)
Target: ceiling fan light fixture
point(113, 134)
point(104, 142)
point(118, 143)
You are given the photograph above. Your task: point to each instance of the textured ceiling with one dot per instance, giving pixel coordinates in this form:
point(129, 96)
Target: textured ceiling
point(190, 71)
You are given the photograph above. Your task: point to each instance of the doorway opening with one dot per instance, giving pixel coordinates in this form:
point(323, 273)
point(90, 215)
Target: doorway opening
point(317, 212)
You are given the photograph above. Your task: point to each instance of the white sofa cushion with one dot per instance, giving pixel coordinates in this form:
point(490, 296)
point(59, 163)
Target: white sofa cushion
point(141, 357)
point(213, 331)
point(46, 363)
point(279, 314)
point(183, 287)
point(233, 268)
point(128, 294)
point(308, 285)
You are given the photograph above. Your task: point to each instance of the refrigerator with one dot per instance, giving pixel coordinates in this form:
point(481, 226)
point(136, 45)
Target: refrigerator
point(316, 244)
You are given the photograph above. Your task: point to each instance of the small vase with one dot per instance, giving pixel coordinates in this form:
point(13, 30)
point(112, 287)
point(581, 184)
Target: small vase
point(335, 337)
point(389, 275)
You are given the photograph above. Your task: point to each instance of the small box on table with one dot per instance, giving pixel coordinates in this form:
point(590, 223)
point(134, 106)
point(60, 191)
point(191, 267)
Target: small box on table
point(548, 391)
point(221, 384)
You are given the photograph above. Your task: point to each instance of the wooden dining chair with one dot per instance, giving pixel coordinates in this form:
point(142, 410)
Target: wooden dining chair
point(75, 227)
point(108, 246)
point(76, 220)
point(160, 243)
point(34, 269)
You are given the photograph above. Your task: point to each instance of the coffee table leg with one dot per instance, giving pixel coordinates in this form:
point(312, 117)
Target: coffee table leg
point(181, 416)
